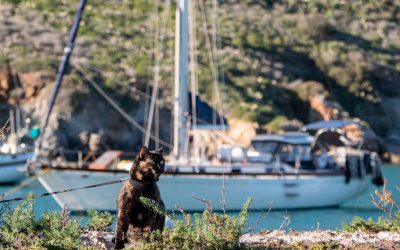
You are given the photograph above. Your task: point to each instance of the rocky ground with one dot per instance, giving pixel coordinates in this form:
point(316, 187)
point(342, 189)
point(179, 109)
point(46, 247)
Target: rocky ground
point(275, 239)
point(330, 239)
point(103, 240)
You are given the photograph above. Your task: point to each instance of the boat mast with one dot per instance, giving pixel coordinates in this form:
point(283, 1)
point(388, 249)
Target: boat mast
point(181, 80)
point(61, 71)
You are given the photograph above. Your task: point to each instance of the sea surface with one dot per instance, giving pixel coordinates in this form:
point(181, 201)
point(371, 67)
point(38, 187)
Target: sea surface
point(304, 219)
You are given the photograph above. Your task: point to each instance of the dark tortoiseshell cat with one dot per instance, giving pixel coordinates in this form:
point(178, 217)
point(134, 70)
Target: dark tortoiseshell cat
point(134, 219)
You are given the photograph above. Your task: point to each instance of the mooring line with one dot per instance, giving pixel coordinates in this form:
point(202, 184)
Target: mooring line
point(23, 184)
point(65, 191)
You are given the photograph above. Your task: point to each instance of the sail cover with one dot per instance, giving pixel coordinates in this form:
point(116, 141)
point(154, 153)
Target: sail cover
point(206, 116)
point(327, 124)
point(327, 139)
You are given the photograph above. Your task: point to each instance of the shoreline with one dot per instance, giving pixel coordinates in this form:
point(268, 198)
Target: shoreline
point(276, 239)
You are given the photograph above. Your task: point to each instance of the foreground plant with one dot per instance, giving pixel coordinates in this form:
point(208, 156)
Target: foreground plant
point(371, 226)
point(384, 201)
point(100, 221)
point(20, 229)
point(58, 230)
point(208, 230)
point(18, 226)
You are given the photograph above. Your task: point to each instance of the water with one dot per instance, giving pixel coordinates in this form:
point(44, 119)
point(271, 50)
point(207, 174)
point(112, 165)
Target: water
point(305, 219)
point(330, 218)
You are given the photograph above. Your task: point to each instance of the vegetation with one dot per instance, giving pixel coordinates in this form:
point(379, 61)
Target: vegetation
point(350, 48)
point(99, 221)
point(391, 222)
point(20, 228)
point(382, 224)
point(208, 230)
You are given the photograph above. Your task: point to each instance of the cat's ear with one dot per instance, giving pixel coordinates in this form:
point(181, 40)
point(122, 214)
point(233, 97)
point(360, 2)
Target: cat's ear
point(144, 151)
point(160, 150)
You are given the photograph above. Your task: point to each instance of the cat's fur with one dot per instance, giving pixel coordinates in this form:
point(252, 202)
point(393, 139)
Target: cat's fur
point(134, 219)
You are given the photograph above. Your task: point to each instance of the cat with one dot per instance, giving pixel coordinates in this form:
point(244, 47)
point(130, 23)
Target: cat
point(136, 221)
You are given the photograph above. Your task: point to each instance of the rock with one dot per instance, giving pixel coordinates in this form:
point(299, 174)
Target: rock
point(310, 239)
point(241, 131)
point(98, 239)
point(326, 109)
point(4, 80)
point(32, 82)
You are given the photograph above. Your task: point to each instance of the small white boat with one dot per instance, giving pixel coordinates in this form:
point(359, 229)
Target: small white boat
point(12, 167)
point(15, 151)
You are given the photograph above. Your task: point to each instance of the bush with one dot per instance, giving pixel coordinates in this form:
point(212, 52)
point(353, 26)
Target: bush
point(100, 221)
point(387, 204)
point(208, 230)
point(58, 230)
point(20, 229)
point(371, 226)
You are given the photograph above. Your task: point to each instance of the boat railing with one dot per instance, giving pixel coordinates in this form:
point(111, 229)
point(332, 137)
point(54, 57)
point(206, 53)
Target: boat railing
point(75, 157)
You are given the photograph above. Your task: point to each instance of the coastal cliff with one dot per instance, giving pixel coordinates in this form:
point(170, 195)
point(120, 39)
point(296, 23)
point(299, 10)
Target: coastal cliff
point(278, 58)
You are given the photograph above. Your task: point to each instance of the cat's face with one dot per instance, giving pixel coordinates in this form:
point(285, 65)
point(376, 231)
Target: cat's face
point(151, 164)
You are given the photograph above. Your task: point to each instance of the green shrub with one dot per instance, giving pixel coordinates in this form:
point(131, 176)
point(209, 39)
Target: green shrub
point(382, 224)
point(275, 124)
point(384, 201)
point(208, 230)
point(100, 221)
point(58, 230)
point(18, 227)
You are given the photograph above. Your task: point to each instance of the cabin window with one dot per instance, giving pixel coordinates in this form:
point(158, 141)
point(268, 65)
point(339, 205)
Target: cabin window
point(291, 152)
point(265, 147)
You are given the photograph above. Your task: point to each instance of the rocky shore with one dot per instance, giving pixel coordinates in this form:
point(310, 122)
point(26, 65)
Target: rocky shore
point(275, 239)
point(321, 239)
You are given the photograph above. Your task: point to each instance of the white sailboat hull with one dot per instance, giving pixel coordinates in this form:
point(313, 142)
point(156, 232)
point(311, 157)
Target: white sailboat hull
point(276, 191)
point(12, 167)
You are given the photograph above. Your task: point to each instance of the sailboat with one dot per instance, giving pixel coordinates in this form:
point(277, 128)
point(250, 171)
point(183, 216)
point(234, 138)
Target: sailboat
point(275, 172)
point(14, 152)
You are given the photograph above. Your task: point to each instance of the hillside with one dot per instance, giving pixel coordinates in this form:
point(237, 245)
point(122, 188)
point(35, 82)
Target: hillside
point(276, 56)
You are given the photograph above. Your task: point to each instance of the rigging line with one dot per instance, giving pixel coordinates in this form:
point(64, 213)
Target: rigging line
point(133, 89)
point(220, 65)
point(150, 72)
point(157, 52)
point(146, 105)
point(217, 102)
point(157, 71)
point(157, 125)
point(141, 93)
point(118, 108)
point(65, 190)
point(216, 56)
point(59, 79)
point(156, 75)
point(193, 72)
point(23, 184)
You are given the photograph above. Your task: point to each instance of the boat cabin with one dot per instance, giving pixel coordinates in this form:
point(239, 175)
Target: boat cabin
point(291, 148)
